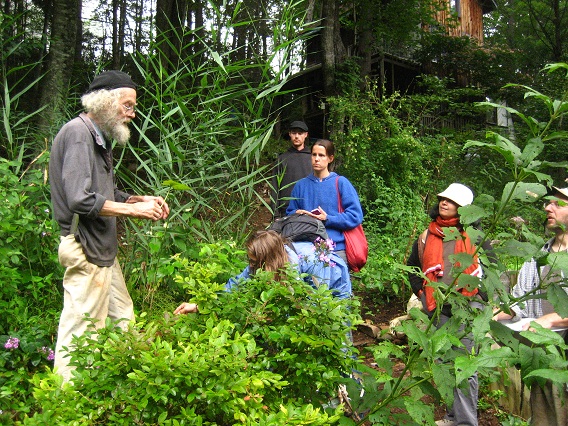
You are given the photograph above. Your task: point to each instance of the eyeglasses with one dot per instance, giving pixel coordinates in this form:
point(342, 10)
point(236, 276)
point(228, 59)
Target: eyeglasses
point(555, 202)
point(128, 108)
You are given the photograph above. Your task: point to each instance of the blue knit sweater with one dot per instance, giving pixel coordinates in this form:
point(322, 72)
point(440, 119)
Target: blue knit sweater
point(310, 193)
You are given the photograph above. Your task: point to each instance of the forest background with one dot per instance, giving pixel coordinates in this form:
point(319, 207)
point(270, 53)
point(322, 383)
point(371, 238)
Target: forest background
point(213, 92)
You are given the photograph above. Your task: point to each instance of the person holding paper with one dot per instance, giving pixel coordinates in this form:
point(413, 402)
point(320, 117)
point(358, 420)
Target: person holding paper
point(549, 404)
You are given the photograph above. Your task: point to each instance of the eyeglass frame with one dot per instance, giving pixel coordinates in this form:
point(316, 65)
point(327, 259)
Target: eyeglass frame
point(128, 108)
point(554, 201)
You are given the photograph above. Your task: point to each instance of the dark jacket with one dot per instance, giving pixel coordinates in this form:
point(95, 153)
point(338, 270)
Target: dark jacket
point(291, 166)
point(82, 178)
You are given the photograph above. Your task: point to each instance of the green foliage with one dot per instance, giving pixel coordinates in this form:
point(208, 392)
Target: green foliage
point(28, 248)
point(370, 125)
point(302, 331)
point(29, 300)
point(22, 354)
point(436, 361)
point(266, 353)
point(18, 79)
point(392, 220)
point(202, 126)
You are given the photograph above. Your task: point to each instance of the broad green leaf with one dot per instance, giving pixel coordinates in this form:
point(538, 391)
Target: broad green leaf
point(558, 260)
point(557, 376)
point(465, 366)
point(504, 335)
point(556, 66)
point(415, 334)
point(516, 248)
point(533, 148)
point(420, 412)
point(508, 150)
point(523, 191)
point(542, 336)
point(445, 381)
point(480, 326)
point(557, 134)
point(460, 262)
point(496, 357)
point(559, 299)
point(471, 214)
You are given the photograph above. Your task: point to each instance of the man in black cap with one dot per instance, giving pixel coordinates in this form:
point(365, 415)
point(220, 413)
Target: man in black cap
point(86, 203)
point(291, 166)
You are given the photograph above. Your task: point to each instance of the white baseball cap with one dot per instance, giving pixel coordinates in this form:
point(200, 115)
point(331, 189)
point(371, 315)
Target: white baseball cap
point(458, 193)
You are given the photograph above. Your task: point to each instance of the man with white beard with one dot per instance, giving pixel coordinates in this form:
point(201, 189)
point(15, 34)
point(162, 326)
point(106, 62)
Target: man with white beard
point(86, 203)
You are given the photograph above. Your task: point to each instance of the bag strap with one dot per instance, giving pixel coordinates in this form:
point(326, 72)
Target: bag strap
point(421, 243)
point(339, 206)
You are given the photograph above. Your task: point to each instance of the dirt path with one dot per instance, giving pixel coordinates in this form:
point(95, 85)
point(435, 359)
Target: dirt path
point(379, 315)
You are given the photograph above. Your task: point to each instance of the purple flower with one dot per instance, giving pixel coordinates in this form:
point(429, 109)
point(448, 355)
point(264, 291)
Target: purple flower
point(49, 352)
point(12, 343)
point(330, 244)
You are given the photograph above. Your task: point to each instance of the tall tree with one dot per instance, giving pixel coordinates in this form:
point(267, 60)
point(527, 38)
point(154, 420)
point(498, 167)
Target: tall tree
point(537, 30)
point(170, 22)
point(60, 61)
point(332, 46)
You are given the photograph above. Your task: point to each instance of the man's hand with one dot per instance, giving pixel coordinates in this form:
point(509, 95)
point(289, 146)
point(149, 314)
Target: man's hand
point(549, 321)
point(186, 308)
point(149, 207)
point(139, 206)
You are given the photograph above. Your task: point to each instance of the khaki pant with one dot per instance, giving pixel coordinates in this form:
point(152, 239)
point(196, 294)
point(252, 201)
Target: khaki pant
point(89, 289)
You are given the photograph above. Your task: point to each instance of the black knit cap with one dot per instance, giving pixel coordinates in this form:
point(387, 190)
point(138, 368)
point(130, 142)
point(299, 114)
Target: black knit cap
point(110, 80)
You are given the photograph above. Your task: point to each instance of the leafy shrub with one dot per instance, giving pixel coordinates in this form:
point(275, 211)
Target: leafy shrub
point(266, 353)
point(22, 354)
point(28, 249)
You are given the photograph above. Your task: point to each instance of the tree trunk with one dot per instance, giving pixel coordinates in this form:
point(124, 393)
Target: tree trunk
point(115, 50)
point(79, 36)
point(169, 29)
point(327, 47)
point(121, 32)
point(60, 63)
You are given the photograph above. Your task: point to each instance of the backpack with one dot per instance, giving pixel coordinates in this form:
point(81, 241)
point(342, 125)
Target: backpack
point(299, 227)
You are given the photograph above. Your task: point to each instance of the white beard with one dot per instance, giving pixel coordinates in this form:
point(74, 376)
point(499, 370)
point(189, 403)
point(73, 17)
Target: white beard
point(119, 131)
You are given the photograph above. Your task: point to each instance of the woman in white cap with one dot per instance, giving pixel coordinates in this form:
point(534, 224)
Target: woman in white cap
point(431, 253)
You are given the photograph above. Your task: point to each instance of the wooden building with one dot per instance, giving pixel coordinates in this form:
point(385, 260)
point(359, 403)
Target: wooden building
point(393, 70)
point(469, 16)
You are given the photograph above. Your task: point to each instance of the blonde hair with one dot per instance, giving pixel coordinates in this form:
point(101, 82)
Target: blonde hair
point(266, 251)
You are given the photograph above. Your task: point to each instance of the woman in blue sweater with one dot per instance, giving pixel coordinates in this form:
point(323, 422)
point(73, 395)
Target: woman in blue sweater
point(317, 196)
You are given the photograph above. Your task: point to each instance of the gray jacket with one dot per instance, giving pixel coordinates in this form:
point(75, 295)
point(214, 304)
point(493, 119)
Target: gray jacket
point(82, 179)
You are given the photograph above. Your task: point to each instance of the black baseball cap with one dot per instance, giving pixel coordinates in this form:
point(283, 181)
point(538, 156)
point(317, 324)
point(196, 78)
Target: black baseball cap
point(299, 125)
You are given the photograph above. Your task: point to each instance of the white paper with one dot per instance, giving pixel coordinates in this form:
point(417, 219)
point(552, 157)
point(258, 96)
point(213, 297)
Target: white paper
point(518, 325)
